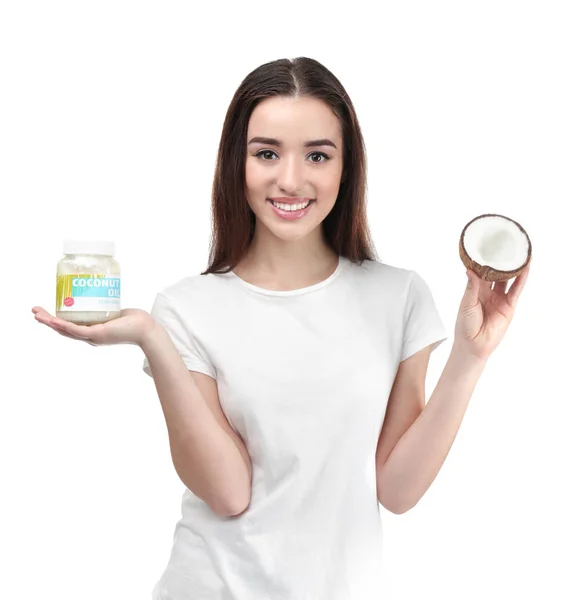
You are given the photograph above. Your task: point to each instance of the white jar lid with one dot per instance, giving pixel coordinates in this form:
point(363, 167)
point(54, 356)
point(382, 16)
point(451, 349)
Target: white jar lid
point(106, 248)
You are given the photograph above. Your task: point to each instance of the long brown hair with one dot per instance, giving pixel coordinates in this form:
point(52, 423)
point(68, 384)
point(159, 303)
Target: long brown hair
point(233, 222)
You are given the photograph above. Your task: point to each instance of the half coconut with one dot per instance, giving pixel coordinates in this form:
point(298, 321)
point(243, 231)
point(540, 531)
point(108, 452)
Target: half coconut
point(495, 247)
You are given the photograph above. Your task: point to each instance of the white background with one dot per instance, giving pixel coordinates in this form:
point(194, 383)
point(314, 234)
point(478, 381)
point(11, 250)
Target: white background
point(110, 117)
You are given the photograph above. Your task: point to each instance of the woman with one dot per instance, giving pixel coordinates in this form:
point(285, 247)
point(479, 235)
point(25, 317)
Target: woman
point(291, 369)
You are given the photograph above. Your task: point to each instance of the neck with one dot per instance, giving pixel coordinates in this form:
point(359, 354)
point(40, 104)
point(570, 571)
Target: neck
point(287, 265)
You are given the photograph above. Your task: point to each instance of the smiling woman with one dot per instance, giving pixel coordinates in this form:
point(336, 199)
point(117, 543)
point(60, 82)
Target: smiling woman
point(293, 333)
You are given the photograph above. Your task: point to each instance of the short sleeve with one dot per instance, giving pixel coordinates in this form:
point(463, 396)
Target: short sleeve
point(422, 322)
point(190, 349)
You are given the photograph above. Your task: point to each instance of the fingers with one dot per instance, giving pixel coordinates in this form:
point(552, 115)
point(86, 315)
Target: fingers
point(63, 327)
point(73, 337)
point(43, 316)
point(517, 287)
point(499, 288)
point(42, 312)
point(81, 332)
point(47, 319)
point(484, 290)
point(61, 331)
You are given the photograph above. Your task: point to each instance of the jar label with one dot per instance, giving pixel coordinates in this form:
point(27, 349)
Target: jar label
point(87, 292)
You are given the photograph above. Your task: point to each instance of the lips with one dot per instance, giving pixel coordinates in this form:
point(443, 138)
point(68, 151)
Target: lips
point(291, 214)
point(291, 200)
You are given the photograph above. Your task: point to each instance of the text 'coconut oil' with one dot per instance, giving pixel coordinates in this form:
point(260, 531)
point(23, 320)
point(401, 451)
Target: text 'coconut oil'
point(88, 283)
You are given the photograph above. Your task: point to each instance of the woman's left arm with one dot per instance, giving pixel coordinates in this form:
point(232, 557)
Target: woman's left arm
point(416, 459)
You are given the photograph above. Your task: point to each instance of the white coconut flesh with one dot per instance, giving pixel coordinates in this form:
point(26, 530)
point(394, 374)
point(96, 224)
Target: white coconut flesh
point(497, 243)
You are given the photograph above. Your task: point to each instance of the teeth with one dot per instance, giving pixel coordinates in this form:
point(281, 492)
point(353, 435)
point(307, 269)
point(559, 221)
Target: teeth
point(290, 207)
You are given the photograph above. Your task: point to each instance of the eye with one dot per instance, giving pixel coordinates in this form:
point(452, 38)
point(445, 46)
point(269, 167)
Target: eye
point(321, 154)
point(259, 154)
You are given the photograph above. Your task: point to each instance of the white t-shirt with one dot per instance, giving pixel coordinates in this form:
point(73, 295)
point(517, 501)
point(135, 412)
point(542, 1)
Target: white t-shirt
point(304, 377)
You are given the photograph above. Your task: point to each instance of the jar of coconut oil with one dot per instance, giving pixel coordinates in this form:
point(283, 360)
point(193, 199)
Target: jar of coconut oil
point(88, 283)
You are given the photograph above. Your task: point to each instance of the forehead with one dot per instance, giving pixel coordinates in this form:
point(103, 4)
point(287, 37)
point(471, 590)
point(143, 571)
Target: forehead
point(294, 119)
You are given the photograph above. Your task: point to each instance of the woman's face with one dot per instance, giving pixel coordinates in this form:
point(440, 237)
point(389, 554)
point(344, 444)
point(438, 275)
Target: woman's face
point(288, 167)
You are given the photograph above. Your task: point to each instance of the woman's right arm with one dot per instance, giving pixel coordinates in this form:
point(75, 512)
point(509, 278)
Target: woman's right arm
point(208, 455)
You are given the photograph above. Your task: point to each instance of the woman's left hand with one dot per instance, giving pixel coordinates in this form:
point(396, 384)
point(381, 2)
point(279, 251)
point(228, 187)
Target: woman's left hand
point(485, 313)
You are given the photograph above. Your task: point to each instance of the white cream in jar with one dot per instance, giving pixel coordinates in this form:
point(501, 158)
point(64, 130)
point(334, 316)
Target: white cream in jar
point(88, 283)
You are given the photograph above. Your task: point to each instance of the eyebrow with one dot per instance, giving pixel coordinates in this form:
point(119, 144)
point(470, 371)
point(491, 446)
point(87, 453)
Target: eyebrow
point(275, 142)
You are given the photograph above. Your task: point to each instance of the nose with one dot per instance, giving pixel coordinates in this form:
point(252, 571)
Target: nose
point(290, 177)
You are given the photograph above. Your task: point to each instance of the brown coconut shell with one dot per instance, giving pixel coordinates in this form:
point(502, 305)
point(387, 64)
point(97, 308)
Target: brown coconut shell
point(486, 272)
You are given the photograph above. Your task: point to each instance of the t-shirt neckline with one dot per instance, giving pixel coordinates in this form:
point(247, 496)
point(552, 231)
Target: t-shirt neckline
point(304, 290)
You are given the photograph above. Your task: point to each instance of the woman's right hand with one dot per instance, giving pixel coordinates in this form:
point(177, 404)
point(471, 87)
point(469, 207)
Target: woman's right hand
point(131, 327)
